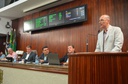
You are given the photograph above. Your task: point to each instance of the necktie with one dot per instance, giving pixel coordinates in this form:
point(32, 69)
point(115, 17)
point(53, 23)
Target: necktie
point(104, 36)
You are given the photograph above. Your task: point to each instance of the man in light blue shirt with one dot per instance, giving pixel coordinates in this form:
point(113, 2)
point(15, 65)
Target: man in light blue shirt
point(2, 55)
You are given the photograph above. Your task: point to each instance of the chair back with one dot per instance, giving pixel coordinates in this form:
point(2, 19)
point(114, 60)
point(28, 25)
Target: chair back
point(35, 51)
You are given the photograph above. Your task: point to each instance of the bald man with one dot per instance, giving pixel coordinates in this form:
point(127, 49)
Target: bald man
point(11, 53)
point(111, 38)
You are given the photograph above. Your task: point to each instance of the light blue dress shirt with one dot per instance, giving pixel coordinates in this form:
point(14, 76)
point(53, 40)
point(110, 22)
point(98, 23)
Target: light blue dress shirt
point(2, 56)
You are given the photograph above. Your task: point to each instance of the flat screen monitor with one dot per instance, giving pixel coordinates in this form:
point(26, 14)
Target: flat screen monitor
point(56, 19)
point(77, 14)
point(28, 25)
point(41, 23)
point(69, 16)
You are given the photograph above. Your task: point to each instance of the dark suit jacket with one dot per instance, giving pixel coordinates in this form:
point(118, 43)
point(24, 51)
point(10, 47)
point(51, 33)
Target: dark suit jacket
point(64, 58)
point(31, 57)
point(42, 58)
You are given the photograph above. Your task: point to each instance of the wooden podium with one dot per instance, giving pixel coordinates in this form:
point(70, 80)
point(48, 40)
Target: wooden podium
point(98, 68)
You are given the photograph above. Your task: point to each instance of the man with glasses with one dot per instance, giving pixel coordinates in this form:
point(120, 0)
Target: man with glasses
point(111, 38)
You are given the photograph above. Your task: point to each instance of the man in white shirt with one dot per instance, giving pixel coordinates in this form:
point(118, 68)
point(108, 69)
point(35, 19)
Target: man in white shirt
point(29, 56)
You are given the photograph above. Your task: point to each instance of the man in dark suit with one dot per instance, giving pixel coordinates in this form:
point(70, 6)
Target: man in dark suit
point(64, 59)
point(44, 56)
point(29, 56)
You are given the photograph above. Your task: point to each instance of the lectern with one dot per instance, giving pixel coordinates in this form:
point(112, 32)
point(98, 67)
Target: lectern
point(98, 68)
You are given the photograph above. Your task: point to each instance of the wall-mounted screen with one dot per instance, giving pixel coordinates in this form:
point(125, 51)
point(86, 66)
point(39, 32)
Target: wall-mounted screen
point(41, 22)
point(77, 14)
point(29, 25)
point(56, 19)
point(69, 16)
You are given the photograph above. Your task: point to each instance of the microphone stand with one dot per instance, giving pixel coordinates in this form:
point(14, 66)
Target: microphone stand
point(87, 40)
point(87, 44)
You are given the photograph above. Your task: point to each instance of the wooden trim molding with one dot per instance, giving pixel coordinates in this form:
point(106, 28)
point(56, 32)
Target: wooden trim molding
point(40, 67)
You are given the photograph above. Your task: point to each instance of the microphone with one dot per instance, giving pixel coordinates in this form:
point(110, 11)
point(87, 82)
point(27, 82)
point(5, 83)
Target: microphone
point(87, 43)
point(87, 40)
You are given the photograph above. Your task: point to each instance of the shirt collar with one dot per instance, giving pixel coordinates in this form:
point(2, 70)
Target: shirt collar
point(105, 31)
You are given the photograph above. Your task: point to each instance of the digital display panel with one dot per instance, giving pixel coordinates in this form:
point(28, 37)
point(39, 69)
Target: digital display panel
point(56, 19)
point(41, 22)
point(28, 25)
point(77, 14)
point(69, 16)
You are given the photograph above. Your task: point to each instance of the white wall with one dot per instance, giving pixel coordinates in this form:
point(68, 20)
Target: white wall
point(3, 22)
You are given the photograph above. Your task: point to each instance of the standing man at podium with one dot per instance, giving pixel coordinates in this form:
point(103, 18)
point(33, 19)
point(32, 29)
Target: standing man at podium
point(111, 38)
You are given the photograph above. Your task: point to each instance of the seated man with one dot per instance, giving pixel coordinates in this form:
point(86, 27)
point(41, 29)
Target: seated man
point(12, 54)
point(64, 59)
point(44, 56)
point(29, 56)
point(2, 55)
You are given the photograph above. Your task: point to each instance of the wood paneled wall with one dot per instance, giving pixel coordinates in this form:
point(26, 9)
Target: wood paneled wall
point(57, 39)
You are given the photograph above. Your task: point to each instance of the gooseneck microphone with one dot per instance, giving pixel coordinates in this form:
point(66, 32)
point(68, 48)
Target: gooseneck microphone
point(87, 43)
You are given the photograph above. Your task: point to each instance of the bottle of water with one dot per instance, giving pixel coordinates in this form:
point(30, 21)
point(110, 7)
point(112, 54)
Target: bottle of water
point(14, 59)
point(36, 60)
